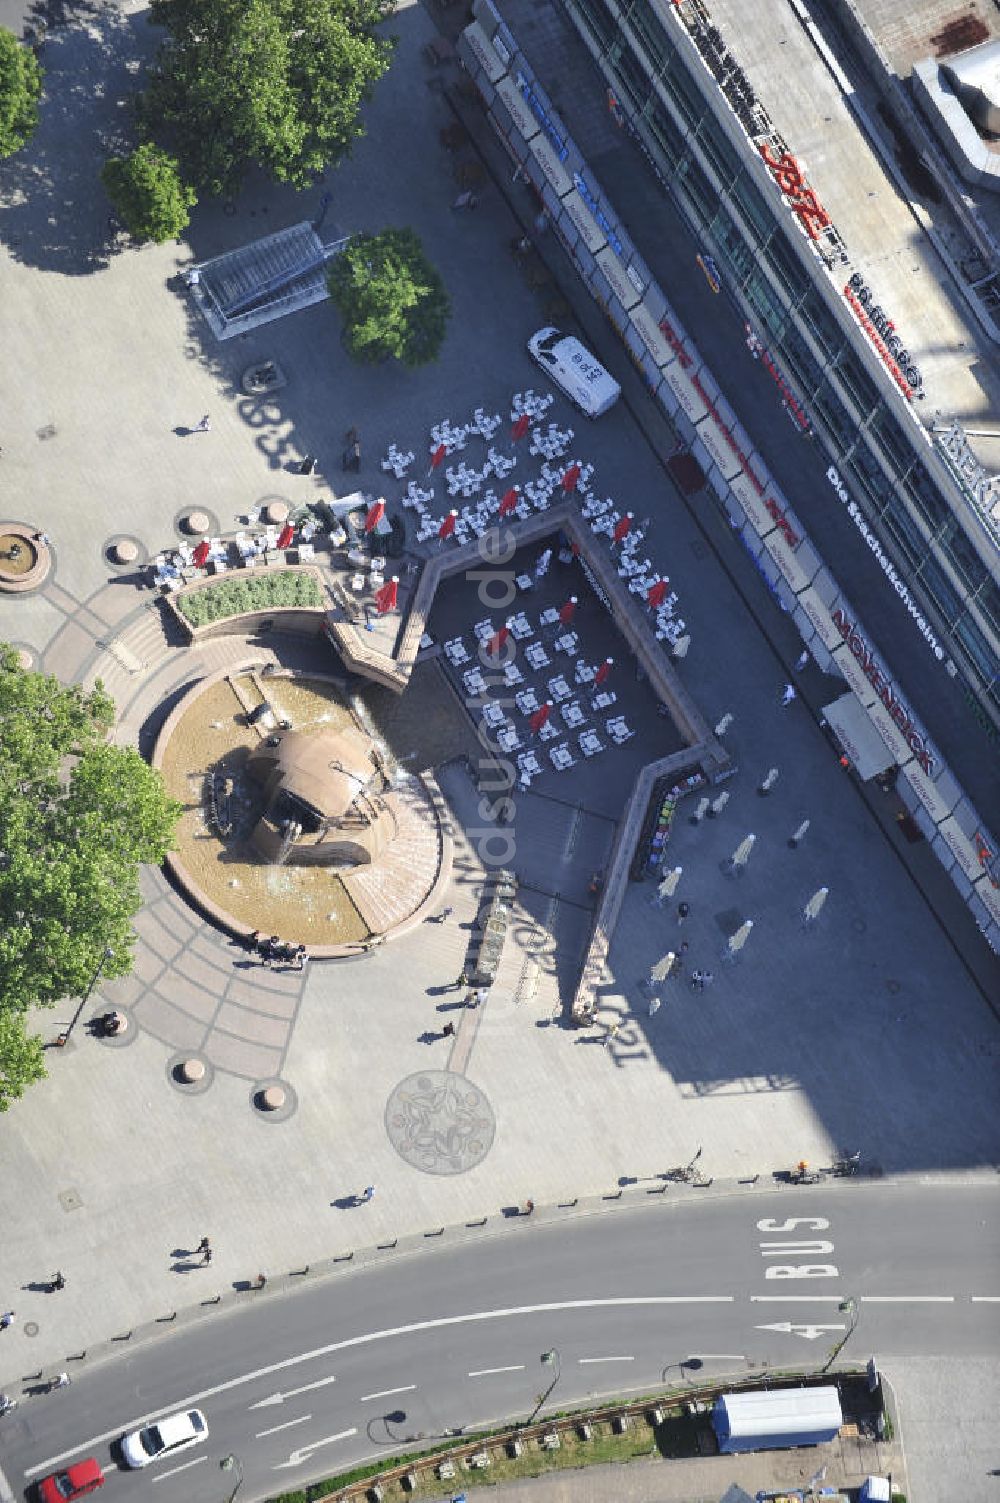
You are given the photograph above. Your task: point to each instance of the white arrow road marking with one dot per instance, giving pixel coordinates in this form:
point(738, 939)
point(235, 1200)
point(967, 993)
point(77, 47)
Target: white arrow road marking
point(286, 1426)
point(809, 1332)
point(291, 1393)
point(485, 1372)
point(367, 1338)
point(387, 1393)
point(583, 1360)
point(298, 1457)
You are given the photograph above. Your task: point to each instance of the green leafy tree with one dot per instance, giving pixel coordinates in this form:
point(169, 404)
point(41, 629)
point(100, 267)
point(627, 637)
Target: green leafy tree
point(77, 818)
point(147, 192)
point(279, 83)
point(392, 300)
point(20, 90)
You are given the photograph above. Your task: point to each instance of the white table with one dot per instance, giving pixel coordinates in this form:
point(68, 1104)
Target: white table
point(524, 582)
point(573, 715)
point(507, 739)
point(584, 672)
point(512, 676)
point(567, 642)
point(521, 627)
point(475, 684)
point(559, 688)
point(605, 699)
point(536, 655)
point(561, 758)
point(526, 701)
point(549, 616)
point(590, 743)
point(493, 716)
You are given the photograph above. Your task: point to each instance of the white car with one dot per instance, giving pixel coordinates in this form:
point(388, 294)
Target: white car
point(175, 1432)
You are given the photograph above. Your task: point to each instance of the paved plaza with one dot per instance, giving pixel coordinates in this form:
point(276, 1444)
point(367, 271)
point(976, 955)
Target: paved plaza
point(865, 1030)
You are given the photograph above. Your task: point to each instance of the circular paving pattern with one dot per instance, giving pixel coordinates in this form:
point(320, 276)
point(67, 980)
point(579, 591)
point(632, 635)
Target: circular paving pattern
point(439, 1122)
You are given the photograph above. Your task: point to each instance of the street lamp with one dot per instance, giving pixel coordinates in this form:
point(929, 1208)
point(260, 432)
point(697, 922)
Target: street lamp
point(849, 1306)
point(105, 957)
point(232, 1463)
point(548, 1359)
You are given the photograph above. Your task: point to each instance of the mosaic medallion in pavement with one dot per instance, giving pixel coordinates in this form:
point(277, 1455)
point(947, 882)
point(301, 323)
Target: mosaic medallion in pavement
point(440, 1122)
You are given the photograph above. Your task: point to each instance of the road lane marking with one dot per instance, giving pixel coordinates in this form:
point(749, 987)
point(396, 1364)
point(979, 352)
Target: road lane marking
point(291, 1393)
point(296, 1458)
point(584, 1360)
point(799, 1299)
point(985, 1299)
point(716, 1357)
point(174, 1471)
point(484, 1372)
point(386, 1393)
point(387, 1334)
point(286, 1426)
point(907, 1299)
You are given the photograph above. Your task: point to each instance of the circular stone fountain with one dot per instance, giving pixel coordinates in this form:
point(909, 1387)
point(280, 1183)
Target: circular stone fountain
point(24, 560)
point(297, 820)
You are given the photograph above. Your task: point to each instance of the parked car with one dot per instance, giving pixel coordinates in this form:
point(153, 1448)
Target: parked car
point(175, 1432)
point(76, 1481)
point(573, 368)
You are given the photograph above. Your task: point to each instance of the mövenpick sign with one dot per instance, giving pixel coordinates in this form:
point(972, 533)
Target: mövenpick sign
point(872, 669)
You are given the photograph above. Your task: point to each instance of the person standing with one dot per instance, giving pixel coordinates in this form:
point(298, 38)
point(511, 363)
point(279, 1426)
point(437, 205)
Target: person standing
point(801, 661)
point(683, 909)
point(654, 1005)
point(788, 694)
point(203, 425)
point(203, 1246)
point(612, 1033)
point(57, 1282)
point(369, 1193)
point(448, 1032)
point(7, 1319)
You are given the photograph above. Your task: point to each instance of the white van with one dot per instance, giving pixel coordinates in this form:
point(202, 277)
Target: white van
point(573, 368)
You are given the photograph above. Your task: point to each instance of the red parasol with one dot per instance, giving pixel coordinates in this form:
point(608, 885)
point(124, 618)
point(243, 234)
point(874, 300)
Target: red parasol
point(436, 456)
point(521, 427)
point(570, 477)
point(200, 555)
point(447, 526)
point(385, 598)
point(540, 716)
point(497, 640)
point(657, 593)
point(509, 501)
point(285, 536)
point(375, 514)
point(603, 671)
point(624, 528)
point(566, 611)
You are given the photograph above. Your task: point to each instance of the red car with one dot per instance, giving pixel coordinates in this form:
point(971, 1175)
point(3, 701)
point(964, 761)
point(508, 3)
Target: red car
point(76, 1481)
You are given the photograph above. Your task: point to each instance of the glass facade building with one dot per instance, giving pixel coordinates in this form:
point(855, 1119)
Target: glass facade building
point(696, 118)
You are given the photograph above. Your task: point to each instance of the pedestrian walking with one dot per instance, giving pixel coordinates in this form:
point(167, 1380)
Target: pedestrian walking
point(369, 1193)
point(7, 1319)
point(654, 1005)
point(612, 1033)
point(206, 1257)
point(203, 1245)
point(203, 425)
point(443, 916)
point(62, 1381)
point(788, 694)
point(448, 1031)
point(456, 986)
point(683, 909)
point(481, 996)
point(308, 465)
point(706, 979)
point(696, 977)
point(57, 1282)
point(801, 661)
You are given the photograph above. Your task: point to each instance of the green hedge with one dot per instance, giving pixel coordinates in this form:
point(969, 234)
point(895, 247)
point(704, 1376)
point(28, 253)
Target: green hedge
point(284, 589)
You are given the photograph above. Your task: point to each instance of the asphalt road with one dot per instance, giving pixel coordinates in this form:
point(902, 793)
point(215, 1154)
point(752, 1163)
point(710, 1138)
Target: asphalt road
point(304, 1384)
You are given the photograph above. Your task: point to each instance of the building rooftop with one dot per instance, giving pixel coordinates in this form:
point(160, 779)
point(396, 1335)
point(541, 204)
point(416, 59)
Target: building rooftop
point(808, 101)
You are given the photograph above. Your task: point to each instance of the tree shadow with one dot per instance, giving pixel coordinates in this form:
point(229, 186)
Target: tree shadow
point(53, 210)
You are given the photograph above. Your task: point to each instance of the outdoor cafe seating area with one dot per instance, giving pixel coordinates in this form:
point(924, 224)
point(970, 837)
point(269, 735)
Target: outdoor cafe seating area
point(557, 713)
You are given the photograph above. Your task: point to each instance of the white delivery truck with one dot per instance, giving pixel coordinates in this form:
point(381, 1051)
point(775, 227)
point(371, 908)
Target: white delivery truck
point(575, 371)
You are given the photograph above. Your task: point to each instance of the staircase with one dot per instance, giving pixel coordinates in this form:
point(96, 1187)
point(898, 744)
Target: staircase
point(389, 890)
point(264, 280)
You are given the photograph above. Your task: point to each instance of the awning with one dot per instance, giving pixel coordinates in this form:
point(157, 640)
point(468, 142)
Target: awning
point(861, 741)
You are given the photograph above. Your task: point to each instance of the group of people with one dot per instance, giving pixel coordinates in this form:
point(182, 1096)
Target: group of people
point(275, 950)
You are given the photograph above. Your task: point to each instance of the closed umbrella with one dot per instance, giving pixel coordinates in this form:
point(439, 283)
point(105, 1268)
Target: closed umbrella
point(540, 716)
point(448, 525)
point(509, 501)
point(624, 528)
point(521, 427)
point(385, 598)
point(566, 611)
point(200, 555)
point(437, 455)
point(570, 477)
point(603, 671)
point(375, 514)
point(657, 593)
point(285, 536)
point(497, 640)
